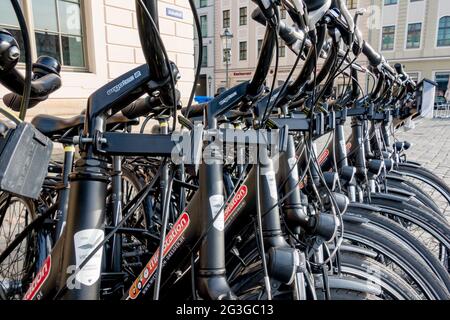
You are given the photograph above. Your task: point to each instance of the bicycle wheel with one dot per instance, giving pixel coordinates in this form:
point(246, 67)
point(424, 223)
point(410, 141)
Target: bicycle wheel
point(17, 270)
point(430, 183)
point(246, 278)
point(395, 254)
point(377, 219)
point(422, 197)
point(367, 269)
point(431, 230)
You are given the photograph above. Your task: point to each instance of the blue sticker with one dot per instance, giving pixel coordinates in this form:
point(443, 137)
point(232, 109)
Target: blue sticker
point(174, 13)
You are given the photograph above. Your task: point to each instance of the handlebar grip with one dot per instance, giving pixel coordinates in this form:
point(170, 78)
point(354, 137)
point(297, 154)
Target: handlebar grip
point(401, 71)
point(46, 81)
point(143, 107)
point(389, 69)
point(374, 57)
point(399, 68)
point(289, 35)
point(140, 108)
point(14, 101)
point(404, 76)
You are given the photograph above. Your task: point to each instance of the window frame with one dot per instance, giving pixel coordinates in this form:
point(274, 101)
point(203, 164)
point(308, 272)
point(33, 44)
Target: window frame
point(228, 25)
point(438, 30)
point(202, 3)
point(390, 2)
point(205, 56)
point(352, 4)
point(29, 17)
point(241, 16)
point(393, 42)
point(241, 51)
point(407, 36)
point(437, 72)
point(204, 34)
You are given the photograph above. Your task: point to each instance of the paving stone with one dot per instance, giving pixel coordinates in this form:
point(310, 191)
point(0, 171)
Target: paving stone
point(431, 147)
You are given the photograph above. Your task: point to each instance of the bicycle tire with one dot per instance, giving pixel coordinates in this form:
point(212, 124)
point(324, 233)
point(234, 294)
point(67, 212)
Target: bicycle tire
point(377, 219)
point(362, 233)
point(368, 269)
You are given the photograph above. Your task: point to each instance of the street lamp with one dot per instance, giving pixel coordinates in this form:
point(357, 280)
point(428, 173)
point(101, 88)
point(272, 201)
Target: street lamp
point(227, 36)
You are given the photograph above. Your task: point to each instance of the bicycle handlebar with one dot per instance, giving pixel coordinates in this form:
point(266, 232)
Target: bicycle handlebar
point(143, 107)
point(151, 47)
point(292, 37)
point(46, 74)
point(374, 57)
point(268, 46)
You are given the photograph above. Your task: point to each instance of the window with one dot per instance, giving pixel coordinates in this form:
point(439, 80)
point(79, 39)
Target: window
point(442, 79)
point(204, 25)
point(351, 4)
point(243, 50)
point(283, 13)
point(444, 32)
point(260, 42)
point(281, 51)
point(226, 18)
point(58, 29)
point(414, 34)
point(388, 36)
point(9, 22)
point(203, 3)
point(205, 56)
point(243, 16)
point(389, 2)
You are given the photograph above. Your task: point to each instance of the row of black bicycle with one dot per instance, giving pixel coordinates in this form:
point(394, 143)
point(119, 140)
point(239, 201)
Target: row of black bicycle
point(227, 200)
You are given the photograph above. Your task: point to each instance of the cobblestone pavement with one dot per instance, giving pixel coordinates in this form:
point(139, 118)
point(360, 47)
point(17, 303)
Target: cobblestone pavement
point(431, 147)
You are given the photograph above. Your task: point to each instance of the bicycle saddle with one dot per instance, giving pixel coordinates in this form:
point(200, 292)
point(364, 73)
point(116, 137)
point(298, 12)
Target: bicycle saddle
point(196, 110)
point(51, 125)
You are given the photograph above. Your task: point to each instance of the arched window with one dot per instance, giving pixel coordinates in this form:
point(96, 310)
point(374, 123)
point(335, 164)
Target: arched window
point(444, 32)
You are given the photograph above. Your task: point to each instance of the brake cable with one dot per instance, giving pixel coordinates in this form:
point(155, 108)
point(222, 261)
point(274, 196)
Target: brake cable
point(28, 59)
point(199, 58)
point(275, 73)
point(260, 235)
point(168, 64)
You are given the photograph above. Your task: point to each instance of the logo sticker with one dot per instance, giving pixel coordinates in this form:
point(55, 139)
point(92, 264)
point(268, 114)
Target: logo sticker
point(323, 157)
point(85, 242)
point(349, 147)
point(272, 184)
point(292, 162)
point(228, 98)
point(39, 280)
point(236, 202)
point(216, 203)
point(172, 238)
point(117, 88)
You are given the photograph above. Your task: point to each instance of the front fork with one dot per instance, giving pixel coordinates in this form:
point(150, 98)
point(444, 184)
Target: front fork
point(60, 276)
point(212, 282)
point(285, 264)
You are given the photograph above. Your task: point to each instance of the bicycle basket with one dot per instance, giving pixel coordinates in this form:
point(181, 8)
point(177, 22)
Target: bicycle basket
point(24, 157)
